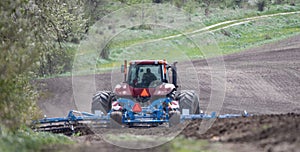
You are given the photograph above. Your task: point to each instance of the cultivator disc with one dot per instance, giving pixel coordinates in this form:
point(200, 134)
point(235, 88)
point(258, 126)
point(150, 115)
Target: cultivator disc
point(75, 123)
point(66, 129)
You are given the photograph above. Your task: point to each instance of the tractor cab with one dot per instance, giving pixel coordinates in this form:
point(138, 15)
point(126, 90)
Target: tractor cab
point(147, 78)
point(146, 74)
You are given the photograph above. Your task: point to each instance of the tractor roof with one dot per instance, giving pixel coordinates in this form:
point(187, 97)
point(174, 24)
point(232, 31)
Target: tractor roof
point(148, 62)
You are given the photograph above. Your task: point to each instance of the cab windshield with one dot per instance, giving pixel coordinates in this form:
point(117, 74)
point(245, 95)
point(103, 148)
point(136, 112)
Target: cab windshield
point(144, 75)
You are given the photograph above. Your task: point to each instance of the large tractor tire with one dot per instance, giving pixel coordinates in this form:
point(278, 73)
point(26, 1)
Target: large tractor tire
point(188, 99)
point(102, 101)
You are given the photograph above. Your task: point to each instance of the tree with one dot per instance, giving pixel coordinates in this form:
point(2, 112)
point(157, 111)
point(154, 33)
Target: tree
point(31, 30)
point(62, 21)
point(19, 52)
point(261, 5)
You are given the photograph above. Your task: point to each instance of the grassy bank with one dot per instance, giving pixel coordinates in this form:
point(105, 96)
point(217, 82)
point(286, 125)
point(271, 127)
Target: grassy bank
point(231, 30)
point(182, 144)
point(25, 140)
point(228, 38)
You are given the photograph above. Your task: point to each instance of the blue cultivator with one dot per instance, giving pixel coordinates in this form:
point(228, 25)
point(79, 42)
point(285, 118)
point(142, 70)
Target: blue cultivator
point(131, 115)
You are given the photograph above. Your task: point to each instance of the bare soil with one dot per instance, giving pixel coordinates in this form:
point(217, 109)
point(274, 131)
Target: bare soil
point(265, 81)
point(274, 132)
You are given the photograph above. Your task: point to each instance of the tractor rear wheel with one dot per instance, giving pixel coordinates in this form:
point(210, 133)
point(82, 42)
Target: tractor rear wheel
point(188, 99)
point(102, 101)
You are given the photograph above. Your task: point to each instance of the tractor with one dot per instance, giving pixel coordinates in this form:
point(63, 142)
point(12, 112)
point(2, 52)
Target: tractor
point(149, 95)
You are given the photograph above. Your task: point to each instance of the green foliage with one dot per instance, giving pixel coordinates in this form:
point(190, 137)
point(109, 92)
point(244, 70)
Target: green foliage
point(56, 61)
point(130, 2)
point(181, 144)
point(261, 4)
point(63, 20)
point(18, 102)
point(257, 32)
point(19, 52)
point(132, 41)
point(60, 21)
point(96, 9)
point(25, 140)
point(190, 7)
point(33, 36)
point(36, 31)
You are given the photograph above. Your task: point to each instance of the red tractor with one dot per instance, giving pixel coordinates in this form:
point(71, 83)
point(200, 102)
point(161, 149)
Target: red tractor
point(149, 96)
point(149, 92)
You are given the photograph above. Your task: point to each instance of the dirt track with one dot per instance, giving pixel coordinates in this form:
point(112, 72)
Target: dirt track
point(264, 80)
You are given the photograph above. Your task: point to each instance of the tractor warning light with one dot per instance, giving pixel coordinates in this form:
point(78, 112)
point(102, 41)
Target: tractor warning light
point(144, 93)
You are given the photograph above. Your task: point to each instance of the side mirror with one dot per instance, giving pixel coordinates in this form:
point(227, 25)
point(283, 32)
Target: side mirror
point(174, 72)
point(122, 69)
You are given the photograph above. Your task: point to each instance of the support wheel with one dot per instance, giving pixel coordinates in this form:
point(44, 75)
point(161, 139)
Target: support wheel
point(174, 118)
point(116, 119)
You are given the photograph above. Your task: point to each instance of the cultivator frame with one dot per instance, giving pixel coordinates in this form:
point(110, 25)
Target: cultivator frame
point(153, 115)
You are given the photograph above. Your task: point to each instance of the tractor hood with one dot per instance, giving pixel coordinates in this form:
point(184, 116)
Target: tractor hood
point(126, 90)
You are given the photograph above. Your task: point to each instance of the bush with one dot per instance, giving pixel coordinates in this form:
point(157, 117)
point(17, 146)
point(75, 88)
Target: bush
point(56, 61)
point(18, 102)
point(25, 140)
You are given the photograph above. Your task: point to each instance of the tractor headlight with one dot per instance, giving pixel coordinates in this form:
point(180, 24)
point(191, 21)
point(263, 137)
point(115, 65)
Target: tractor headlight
point(164, 89)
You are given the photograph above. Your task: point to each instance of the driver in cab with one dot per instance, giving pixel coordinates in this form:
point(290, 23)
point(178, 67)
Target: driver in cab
point(148, 77)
